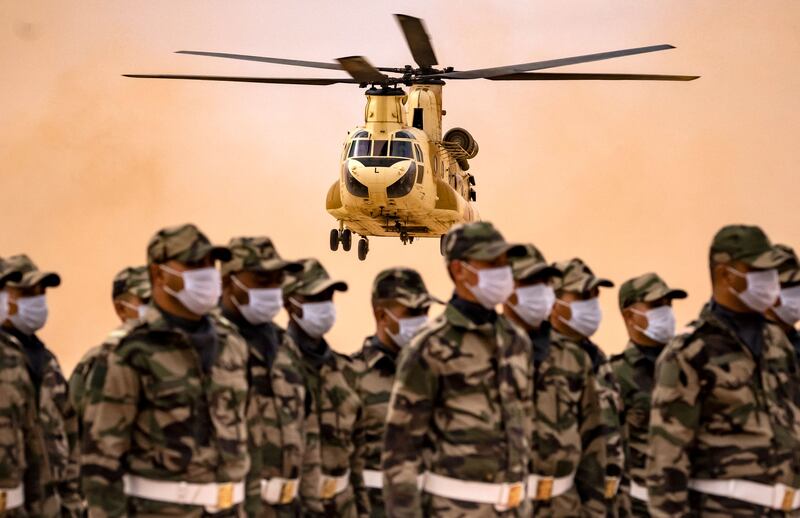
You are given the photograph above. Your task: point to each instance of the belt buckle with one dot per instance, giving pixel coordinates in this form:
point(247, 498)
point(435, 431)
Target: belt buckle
point(788, 499)
point(287, 492)
point(225, 495)
point(516, 492)
point(544, 488)
point(328, 488)
point(3, 501)
point(612, 486)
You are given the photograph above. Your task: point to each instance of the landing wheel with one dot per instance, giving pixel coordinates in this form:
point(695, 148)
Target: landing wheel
point(410, 239)
point(441, 244)
point(404, 238)
point(363, 249)
point(334, 240)
point(347, 239)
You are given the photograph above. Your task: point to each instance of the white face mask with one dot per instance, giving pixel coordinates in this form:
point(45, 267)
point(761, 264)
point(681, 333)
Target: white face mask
point(31, 314)
point(494, 286)
point(201, 288)
point(141, 310)
point(263, 304)
point(318, 317)
point(586, 316)
point(534, 303)
point(763, 289)
point(789, 310)
point(660, 324)
point(408, 327)
point(3, 306)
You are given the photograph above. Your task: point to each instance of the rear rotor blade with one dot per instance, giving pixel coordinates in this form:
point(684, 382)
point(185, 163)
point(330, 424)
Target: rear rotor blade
point(539, 65)
point(278, 61)
point(556, 76)
point(361, 70)
point(419, 43)
point(271, 80)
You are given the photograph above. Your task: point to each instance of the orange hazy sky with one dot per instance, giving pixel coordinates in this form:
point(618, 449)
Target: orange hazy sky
point(632, 177)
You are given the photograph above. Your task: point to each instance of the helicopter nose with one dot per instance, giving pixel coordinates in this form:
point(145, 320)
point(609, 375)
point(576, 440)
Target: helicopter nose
point(392, 178)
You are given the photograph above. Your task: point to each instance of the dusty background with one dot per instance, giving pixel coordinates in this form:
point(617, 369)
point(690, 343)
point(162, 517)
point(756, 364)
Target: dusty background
point(631, 177)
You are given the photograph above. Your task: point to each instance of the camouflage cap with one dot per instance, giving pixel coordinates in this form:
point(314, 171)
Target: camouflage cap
point(790, 269)
point(8, 275)
point(404, 286)
point(478, 240)
point(531, 264)
point(31, 274)
point(184, 243)
point(577, 277)
point(312, 280)
point(256, 254)
point(647, 288)
point(134, 280)
point(745, 243)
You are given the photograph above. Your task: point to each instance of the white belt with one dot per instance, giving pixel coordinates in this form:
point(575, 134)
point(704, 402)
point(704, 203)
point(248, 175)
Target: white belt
point(11, 498)
point(639, 492)
point(545, 488)
point(373, 478)
point(329, 487)
point(214, 497)
point(779, 496)
point(279, 491)
point(506, 495)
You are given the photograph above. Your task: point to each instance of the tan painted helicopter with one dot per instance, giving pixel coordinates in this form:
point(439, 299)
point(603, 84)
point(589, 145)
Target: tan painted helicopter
point(399, 176)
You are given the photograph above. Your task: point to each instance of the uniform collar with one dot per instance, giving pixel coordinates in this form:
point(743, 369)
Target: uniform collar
point(635, 353)
point(376, 351)
point(317, 353)
point(469, 315)
point(746, 328)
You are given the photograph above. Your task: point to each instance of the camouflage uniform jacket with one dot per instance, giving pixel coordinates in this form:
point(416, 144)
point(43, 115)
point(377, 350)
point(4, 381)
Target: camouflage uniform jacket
point(461, 407)
point(278, 411)
point(157, 412)
point(720, 412)
point(566, 424)
point(376, 366)
point(23, 457)
point(339, 442)
point(634, 371)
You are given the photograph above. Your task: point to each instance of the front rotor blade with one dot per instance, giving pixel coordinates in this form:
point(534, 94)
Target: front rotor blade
point(361, 70)
point(278, 61)
point(271, 80)
point(556, 76)
point(419, 43)
point(539, 65)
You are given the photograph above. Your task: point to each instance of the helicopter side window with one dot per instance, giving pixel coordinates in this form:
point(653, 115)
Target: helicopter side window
point(404, 134)
point(401, 148)
point(380, 148)
point(359, 148)
point(418, 152)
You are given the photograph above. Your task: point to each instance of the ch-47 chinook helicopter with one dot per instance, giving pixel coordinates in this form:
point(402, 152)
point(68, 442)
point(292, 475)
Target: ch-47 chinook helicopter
point(399, 175)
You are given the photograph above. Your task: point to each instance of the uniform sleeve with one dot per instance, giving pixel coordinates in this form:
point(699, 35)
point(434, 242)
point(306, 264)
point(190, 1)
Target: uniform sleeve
point(111, 407)
point(674, 418)
point(69, 488)
point(357, 463)
point(36, 472)
point(407, 423)
point(255, 442)
point(589, 477)
point(611, 403)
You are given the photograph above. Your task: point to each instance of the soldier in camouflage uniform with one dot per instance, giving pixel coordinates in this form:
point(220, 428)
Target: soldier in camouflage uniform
point(646, 306)
point(27, 313)
point(278, 405)
point(575, 318)
point(724, 433)
point(130, 294)
point(461, 406)
point(22, 456)
point(339, 488)
point(167, 431)
point(786, 312)
point(567, 461)
point(400, 304)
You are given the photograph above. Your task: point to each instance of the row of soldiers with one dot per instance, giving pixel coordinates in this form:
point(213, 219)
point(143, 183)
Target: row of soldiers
point(200, 405)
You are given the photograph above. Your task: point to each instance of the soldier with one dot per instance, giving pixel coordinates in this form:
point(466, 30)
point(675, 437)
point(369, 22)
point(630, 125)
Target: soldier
point(22, 454)
point(168, 431)
point(130, 294)
point(567, 461)
point(786, 312)
point(331, 379)
point(646, 306)
point(400, 304)
point(724, 434)
point(461, 406)
point(27, 313)
point(278, 404)
point(575, 318)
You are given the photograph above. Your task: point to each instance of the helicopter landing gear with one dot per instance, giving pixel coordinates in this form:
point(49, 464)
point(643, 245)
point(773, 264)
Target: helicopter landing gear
point(334, 240)
point(363, 248)
point(347, 239)
point(441, 244)
point(406, 239)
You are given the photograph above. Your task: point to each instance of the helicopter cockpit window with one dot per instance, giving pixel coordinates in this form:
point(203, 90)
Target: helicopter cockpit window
point(401, 148)
point(404, 134)
point(359, 148)
point(380, 148)
point(361, 134)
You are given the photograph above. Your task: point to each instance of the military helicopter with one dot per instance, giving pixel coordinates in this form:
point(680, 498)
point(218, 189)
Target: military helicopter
point(399, 175)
